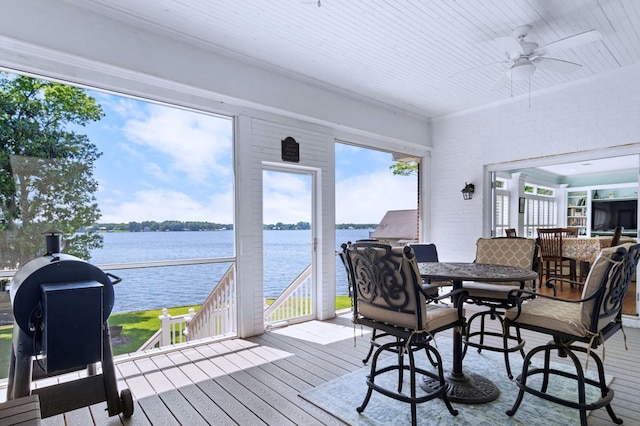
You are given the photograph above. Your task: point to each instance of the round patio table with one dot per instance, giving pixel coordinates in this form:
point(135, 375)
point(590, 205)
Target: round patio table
point(469, 388)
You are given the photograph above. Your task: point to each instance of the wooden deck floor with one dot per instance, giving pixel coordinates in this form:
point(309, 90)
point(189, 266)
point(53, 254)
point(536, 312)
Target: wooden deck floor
point(257, 380)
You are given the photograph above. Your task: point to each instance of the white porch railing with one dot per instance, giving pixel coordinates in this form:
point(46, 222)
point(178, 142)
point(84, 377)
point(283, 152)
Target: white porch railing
point(173, 330)
point(294, 304)
point(215, 318)
point(217, 315)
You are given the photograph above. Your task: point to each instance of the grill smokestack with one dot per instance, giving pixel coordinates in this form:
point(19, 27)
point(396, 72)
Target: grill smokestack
point(53, 238)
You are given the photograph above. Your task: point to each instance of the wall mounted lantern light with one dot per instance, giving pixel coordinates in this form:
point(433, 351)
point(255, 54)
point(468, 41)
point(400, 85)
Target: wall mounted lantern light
point(467, 191)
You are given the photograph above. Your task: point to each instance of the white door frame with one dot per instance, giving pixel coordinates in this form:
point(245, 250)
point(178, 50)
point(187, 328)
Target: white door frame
point(316, 225)
point(617, 151)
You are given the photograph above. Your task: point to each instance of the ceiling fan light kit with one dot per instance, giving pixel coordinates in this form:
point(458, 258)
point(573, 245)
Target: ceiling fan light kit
point(522, 69)
point(524, 56)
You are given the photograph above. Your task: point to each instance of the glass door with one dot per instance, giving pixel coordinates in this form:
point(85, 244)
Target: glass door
point(288, 244)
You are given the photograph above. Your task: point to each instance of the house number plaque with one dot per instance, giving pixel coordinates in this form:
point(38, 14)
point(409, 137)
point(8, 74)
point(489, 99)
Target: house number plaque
point(290, 150)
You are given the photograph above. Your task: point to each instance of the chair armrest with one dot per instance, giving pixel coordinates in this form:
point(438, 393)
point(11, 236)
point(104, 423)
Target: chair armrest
point(460, 292)
point(453, 293)
point(550, 281)
point(516, 297)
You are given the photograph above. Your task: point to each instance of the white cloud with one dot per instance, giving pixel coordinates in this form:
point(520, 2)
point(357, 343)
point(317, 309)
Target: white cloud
point(367, 197)
point(286, 198)
point(193, 143)
point(160, 205)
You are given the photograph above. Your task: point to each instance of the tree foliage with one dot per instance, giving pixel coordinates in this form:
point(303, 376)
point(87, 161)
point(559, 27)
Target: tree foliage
point(46, 168)
point(404, 168)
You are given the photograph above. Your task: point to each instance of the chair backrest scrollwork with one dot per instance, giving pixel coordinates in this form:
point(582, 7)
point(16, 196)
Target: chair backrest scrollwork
point(386, 284)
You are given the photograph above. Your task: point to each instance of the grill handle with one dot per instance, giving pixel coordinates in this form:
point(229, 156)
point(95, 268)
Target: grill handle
point(115, 279)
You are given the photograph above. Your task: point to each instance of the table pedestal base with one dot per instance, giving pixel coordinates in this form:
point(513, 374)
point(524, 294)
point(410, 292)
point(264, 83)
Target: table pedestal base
point(467, 388)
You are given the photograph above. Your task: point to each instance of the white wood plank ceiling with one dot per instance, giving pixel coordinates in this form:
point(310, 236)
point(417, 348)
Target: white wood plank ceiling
point(428, 57)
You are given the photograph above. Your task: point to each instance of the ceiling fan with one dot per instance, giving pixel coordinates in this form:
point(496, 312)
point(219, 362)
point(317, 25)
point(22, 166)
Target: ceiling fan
point(524, 56)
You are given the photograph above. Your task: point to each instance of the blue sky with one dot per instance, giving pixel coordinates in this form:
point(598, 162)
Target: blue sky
point(163, 163)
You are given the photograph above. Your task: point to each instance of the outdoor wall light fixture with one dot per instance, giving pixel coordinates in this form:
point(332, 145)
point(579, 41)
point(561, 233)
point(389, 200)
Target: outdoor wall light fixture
point(467, 191)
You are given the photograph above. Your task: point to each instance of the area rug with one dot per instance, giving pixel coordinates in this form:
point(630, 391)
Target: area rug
point(341, 396)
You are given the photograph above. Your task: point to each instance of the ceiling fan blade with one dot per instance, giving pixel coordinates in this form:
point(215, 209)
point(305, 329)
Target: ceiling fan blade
point(557, 65)
point(504, 79)
point(510, 46)
point(568, 42)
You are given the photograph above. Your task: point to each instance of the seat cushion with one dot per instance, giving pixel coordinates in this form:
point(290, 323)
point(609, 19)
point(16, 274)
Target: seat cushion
point(488, 290)
point(439, 316)
point(551, 314)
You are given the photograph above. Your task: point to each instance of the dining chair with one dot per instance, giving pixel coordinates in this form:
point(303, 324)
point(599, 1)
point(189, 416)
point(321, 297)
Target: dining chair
point(389, 297)
point(518, 252)
point(428, 252)
point(552, 261)
point(510, 232)
point(576, 326)
point(375, 333)
point(571, 232)
point(617, 233)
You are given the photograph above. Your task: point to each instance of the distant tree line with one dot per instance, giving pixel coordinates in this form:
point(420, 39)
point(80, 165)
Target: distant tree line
point(167, 225)
point(287, 226)
point(356, 226)
point(176, 226)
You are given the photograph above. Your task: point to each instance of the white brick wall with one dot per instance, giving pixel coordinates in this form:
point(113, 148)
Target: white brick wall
point(602, 112)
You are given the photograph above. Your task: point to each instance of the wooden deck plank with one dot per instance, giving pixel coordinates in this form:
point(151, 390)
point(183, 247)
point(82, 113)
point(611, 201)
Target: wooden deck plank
point(240, 413)
point(324, 367)
point(291, 388)
point(149, 402)
point(180, 373)
point(268, 392)
point(301, 411)
point(344, 349)
point(101, 417)
point(248, 398)
point(258, 380)
point(168, 393)
point(220, 360)
point(196, 397)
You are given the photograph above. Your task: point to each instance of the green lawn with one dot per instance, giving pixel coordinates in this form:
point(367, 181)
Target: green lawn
point(137, 326)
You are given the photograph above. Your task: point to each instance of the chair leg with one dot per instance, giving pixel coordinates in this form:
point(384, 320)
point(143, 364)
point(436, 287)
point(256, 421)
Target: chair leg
point(506, 337)
point(401, 364)
point(582, 405)
point(439, 391)
point(372, 340)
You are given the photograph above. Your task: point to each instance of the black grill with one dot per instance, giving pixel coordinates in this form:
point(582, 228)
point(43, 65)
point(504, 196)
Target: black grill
point(61, 305)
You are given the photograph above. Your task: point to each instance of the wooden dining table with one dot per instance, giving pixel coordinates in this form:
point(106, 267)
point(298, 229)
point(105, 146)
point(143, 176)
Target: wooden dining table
point(468, 387)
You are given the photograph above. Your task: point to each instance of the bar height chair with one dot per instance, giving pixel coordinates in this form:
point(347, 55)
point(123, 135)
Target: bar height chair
point(518, 252)
point(576, 326)
point(388, 296)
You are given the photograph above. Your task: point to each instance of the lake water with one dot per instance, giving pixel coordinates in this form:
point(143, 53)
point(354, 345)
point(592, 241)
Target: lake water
point(287, 253)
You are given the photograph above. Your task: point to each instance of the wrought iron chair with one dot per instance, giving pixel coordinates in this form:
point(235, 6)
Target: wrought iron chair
point(427, 252)
point(389, 297)
point(375, 333)
point(519, 252)
point(552, 261)
point(576, 326)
